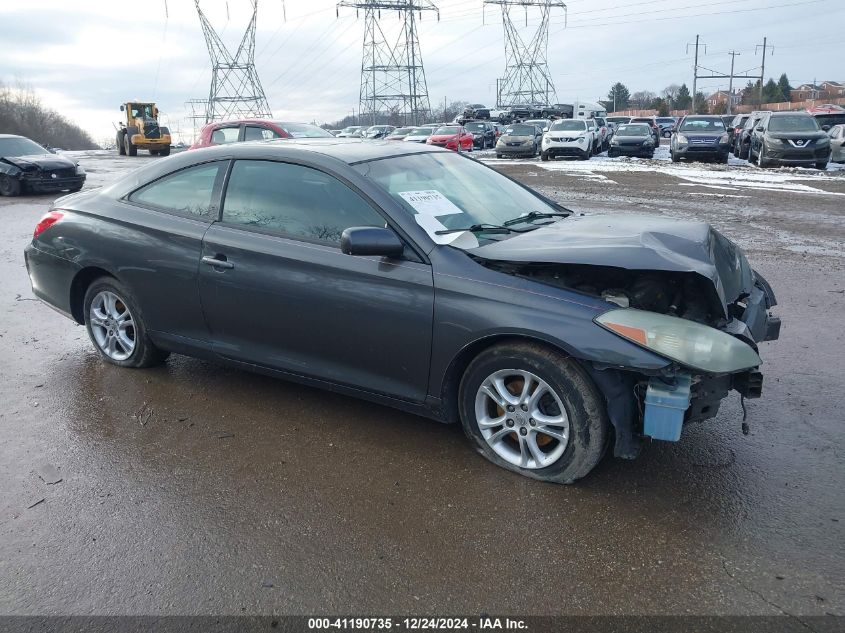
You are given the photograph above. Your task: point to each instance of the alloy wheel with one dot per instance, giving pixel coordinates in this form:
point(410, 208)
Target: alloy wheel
point(522, 418)
point(112, 325)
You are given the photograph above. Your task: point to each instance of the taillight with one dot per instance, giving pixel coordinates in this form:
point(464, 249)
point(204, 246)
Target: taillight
point(46, 222)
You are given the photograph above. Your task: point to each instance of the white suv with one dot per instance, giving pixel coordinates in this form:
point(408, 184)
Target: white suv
point(569, 137)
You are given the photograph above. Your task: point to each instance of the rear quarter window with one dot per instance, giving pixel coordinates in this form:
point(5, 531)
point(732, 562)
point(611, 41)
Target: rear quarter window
point(189, 191)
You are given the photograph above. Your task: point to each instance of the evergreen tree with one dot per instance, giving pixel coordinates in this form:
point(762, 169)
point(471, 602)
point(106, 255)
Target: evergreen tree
point(683, 99)
point(785, 87)
point(621, 94)
point(701, 106)
point(772, 92)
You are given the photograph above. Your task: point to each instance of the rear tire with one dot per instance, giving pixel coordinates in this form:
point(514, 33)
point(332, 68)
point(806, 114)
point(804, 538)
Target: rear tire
point(164, 151)
point(116, 328)
point(9, 186)
point(121, 144)
point(560, 433)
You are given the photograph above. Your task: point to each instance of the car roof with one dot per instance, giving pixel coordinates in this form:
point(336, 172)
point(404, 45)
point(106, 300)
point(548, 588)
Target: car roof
point(347, 150)
point(12, 136)
point(791, 112)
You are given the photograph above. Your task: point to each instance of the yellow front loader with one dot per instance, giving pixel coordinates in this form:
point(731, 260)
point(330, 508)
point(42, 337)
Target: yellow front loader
point(140, 130)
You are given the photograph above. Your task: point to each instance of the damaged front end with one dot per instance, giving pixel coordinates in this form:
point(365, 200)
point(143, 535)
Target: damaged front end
point(679, 289)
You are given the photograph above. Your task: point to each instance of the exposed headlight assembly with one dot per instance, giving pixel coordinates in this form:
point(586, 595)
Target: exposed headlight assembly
point(80, 170)
point(687, 342)
point(682, 140)
point(725, 138)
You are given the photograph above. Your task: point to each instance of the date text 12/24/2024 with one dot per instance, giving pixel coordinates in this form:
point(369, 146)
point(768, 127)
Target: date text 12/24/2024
point(416, 624)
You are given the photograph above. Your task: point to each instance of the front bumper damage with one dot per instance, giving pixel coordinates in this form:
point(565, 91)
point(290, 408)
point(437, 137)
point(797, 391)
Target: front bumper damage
point(659, 406)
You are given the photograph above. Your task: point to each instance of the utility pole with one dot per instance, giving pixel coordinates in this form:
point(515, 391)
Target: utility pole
point(733, 55)
point(763, 65)
point(717, 75)
point(392, 75)
point(695, 72)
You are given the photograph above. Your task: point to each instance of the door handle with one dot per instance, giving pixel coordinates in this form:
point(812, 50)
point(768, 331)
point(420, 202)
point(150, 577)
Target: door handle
point(218, 261)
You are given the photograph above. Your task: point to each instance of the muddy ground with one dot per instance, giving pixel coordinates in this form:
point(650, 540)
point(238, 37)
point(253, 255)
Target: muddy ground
point(195, 488)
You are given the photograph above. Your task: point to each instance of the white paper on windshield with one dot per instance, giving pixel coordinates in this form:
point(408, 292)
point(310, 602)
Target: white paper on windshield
point(431, 202)
point(431, 225)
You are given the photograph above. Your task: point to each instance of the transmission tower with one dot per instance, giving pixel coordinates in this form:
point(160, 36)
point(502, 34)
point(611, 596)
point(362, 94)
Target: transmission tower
point(527, 78)
point(235, 91)
point(393, 87)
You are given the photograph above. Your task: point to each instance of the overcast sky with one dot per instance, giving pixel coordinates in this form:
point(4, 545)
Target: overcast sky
point(85, 58)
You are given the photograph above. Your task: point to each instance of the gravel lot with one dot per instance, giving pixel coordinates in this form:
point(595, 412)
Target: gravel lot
point(195, 488)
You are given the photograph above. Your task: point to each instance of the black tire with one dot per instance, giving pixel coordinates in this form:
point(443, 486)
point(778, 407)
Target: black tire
point(121, 146)
point(498, 155)
point(544, 156)
point(153, 152)
point(145, 353)
point(611, 153)
point(675, 159)
point(131, 150)
point(164, 151)
point(822, 165)
point(583, 404)
point(9, 186)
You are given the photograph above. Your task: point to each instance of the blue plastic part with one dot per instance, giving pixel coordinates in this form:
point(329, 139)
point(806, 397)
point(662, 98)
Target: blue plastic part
point(665, 405)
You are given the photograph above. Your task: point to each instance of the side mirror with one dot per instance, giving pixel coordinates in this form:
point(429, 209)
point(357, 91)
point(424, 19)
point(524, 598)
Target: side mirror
point(371, 240)
point(759, 128)
point(121, 108)
point(825, 128)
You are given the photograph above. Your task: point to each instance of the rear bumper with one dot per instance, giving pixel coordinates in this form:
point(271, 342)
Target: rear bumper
point(51, 278)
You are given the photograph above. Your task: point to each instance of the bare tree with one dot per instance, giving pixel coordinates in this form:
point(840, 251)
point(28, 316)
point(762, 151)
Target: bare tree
point(21, 112)
point(642, 99)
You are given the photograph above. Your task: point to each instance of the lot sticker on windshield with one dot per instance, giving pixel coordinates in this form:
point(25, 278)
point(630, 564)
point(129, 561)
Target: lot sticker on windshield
point(431, 225)
point(430, 202)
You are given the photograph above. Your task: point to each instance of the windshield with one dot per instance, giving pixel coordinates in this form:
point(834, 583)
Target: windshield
point(475, 127)
point(421, 131)
point(447, 130)
point(665, 119)
point(20, 147)
point(520, 130)
point(702, 125)
point(793, 123)
point(568, 126)
point(305, 130)
point(634, 130)
point(401, 130)
point(467, 192)
point(830, 119)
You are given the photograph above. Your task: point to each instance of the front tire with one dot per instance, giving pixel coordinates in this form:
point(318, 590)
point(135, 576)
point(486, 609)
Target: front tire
point(822, 165)
point(116, 328)
point(131, 150)
point(534, 411)
point(544, 156)
point(9, 186)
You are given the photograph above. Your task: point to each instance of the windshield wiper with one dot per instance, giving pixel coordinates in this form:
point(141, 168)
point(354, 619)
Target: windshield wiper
point(534, 215)
point(478, 228)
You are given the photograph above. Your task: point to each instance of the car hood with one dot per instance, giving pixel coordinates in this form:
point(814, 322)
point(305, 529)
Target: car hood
point(798, 135)
point(42, 161)
point(633, 242)
point(443, 137)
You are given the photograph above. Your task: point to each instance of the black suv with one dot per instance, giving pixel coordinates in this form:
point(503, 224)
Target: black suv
point(789, 138)
point(558, 110)
point(742, 137)
point(483, 133)
point(476, 111)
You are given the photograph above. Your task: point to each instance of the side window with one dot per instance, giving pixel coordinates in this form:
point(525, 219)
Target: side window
point(187, 191)
point(225, 135)
point(294, 200)
point(256, 133)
